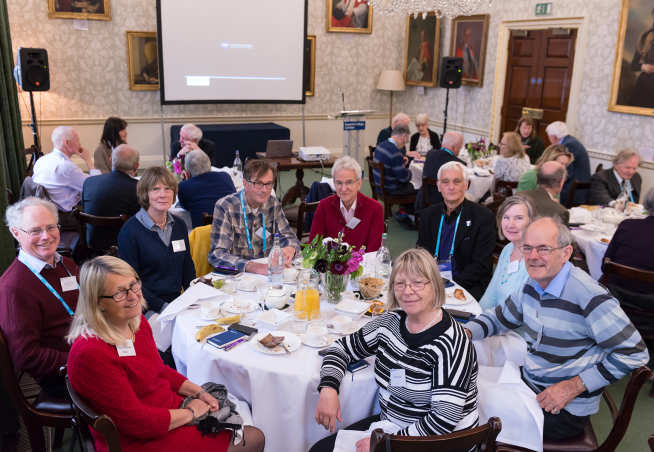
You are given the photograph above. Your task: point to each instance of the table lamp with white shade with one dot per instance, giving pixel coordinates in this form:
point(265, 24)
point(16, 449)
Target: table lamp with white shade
point(391, 80)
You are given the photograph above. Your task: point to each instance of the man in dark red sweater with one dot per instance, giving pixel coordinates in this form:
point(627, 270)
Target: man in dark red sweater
point(38, 295)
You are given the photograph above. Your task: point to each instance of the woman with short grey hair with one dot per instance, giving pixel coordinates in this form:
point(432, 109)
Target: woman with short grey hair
point(425, 139)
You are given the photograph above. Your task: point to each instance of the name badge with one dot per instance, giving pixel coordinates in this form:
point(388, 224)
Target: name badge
point(398, 378)
point(259, 233)
point(179, 245)
point(126, 349)
point(68, 283)
point(513, 267)
point(353, 223)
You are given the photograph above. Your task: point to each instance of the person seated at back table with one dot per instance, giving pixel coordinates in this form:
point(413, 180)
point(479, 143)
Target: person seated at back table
point(531, 142)
point(190, 137)
point(550, 178)
point(38, 294)
point(155, 242)
point(553, 152)
point(449, 152)
point(244, 223)
point(512, 162)
point(400, 119)
point(114, 134)
point(425, 139)
point(578, 338)
point(459, 233)
point(111, 195)
point(426, 368)
point(606, 185)
point(579, 169)
point(510, 274)
point(200, 193)
point(114, 366)
point(360, 218)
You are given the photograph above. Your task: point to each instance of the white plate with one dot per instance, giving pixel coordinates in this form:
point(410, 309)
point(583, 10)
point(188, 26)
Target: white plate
point(291, 340)
point(233, 309)
point(452, 301)
point(591, 227)
point(326, 341)
point(351, 306)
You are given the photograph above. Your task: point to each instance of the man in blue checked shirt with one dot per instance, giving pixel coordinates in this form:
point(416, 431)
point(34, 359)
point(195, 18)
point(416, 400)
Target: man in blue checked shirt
point(244, 223)
point(579, 339)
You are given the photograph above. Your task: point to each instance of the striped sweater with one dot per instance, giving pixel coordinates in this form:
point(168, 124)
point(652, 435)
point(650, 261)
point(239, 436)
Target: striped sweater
point(440, 366)
point(395, 173)
point(577, 328)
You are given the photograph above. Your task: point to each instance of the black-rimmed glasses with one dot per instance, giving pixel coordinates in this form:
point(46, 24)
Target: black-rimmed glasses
point(259, 185)
point(121, 294)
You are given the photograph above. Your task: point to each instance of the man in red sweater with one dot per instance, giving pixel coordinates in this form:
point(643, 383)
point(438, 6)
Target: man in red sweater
point(360, 218)
point(38, 295)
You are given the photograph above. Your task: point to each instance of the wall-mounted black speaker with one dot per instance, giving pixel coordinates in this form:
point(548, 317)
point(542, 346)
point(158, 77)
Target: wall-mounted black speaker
point(450, 72)
point(32, 71)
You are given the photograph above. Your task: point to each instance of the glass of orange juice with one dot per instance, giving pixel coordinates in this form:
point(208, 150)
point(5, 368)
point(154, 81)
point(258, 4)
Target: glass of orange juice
point(307, 297)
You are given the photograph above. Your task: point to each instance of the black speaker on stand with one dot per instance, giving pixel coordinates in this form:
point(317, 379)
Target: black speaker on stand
point(32, 72)
point(450, 73)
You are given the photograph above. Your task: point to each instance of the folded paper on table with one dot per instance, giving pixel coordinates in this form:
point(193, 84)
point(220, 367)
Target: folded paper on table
point(346, 439)
point(162, 325)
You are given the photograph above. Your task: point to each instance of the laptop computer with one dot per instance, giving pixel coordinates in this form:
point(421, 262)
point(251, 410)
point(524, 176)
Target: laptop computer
point(279, 148)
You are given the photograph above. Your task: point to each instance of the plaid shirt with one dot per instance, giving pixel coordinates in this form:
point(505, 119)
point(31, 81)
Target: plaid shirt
point(229, 243)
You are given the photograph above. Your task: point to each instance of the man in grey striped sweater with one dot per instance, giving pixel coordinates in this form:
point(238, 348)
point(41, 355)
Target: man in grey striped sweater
point(579, 339)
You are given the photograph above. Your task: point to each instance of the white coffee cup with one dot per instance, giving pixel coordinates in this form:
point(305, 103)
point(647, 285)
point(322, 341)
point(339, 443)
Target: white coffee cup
point(290, 275)
point(242, 302)
point(316, 333)
point(275, 298)
point(342, 323)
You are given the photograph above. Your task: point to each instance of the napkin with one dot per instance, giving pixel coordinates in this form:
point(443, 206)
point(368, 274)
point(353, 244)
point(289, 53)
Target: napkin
point(270, 319)
point(346, 439)
point(162, 325)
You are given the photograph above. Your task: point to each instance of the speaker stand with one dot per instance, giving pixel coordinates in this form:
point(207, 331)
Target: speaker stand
point(35, 132)
point(447, 102)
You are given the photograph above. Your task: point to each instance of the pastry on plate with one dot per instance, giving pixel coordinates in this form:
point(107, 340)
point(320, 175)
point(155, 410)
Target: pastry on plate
point(459, 294)
point(370, 287)
point(270, 341)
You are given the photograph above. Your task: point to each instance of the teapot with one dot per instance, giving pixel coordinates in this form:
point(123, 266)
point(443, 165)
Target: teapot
point(276, 297)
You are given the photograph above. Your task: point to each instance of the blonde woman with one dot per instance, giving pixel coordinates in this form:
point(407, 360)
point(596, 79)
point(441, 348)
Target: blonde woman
point(114, 365)
point(422, 344)
point(512, 162)
point(555, 152)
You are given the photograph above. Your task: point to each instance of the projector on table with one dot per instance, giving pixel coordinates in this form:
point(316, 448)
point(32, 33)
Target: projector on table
point(313, 153)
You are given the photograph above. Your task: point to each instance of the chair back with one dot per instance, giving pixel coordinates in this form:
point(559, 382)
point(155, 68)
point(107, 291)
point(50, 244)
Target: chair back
point(84, 416)
point(371, 151)
point(574, 186)
point(199, 241)
point(31, 188)
point(207, 219)
point(505, 188)
point(377, 187)
point(371, 177)
point(625, 272)
point(429, 185)
point(303, 210)
point(483, 436)
point(599, 167)
point(651, 442)
point(86, 250)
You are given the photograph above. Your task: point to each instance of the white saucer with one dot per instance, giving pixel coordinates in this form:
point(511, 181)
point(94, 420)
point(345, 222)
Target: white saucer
point(291, 341)
point(325, 341)
point(233, 309)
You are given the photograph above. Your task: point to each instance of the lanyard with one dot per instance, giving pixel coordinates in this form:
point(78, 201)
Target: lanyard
point(440, 230)
point(52, 289)
point(448, 151)
point(247, 228)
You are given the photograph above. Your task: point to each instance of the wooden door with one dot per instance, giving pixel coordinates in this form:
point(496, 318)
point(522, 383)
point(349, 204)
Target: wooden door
point(538, 75)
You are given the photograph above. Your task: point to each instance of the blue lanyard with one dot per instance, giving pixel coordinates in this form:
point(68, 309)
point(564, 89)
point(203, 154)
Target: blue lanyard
point(448, 151)
point(440, 230)
point(247, 228)
point(52, 289)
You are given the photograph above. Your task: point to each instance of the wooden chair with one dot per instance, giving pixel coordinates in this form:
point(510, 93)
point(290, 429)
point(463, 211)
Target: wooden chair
point(651, 442)
point(37, 412)
point(504, 188)
point(85, 416)
point(85, 251)
point(305, 207)
point(371, 151)
point(483, 436)
point(387, 198)
point(574, 186)
point(207, 219)
point(371, 179)
point(429, 184)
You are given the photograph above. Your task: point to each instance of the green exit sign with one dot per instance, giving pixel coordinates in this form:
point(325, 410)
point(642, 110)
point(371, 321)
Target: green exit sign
point(543, 9)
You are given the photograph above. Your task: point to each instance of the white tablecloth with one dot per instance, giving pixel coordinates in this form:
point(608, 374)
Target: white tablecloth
point(478, 184)
point(589, 242)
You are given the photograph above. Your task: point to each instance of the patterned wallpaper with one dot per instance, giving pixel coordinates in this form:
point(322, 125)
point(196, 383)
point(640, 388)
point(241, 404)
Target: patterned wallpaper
point(89, 70)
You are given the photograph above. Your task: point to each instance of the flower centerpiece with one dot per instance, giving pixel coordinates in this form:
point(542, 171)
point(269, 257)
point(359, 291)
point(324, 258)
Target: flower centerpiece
point(478, 150)
point(335, 260)
point(176, 166)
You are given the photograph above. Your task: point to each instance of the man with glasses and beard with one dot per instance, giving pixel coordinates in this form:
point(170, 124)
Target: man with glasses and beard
point(244, 223)
point(578, 338)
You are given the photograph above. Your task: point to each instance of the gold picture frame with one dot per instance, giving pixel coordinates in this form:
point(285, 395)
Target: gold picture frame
point(632, 88)
point(79, 9)
point(469, 37)
point(310, 65)
point(422, 50)
point(349, 16)
point(142, 60)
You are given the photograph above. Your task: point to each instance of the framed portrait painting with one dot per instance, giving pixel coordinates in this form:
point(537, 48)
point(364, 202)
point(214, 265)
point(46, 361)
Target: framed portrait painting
point(349, 16)
point(469, 34)
point(632, 90)
point(309, 65)
point(142, 60)
point(422, 45)
point(79, 9)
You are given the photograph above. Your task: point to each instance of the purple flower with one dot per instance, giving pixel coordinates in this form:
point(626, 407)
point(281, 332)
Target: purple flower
point(337, 268)
point(320, 266)
point(177, 166)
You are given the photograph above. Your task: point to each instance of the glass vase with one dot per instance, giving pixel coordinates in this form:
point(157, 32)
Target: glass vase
point(335, 286)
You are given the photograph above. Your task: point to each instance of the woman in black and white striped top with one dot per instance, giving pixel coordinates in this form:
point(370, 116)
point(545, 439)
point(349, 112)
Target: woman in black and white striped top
point(425, 365)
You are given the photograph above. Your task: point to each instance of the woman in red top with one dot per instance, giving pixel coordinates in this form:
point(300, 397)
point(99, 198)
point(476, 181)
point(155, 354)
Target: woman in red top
point(114, 365)
point(361, 219)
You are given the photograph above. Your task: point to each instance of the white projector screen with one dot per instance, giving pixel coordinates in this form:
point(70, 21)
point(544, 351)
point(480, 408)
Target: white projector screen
point(218, 51)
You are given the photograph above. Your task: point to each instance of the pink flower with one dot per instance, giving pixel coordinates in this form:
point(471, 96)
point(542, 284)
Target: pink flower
point(177, 166)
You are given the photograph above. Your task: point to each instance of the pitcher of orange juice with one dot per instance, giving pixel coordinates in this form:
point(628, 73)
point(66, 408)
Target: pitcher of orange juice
point(307, 297)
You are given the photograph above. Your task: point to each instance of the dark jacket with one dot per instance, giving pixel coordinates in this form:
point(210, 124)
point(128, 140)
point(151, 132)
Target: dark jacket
point(544, 206)
point(473, 245)
point(633, 245)
point(108, 195)
point(208, 146)
point(433, 139)
point(578, 170)
point(604, 187)
point(200, 193)
point(435, 159)
point(536, 148)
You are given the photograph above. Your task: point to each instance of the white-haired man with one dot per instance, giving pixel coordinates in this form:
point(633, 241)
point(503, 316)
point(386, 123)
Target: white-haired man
point(448, 152)
point(459, 233)
point(579, 169)
point(56, 172)
point(400, 119)
point(606, 185)
point(190, 137)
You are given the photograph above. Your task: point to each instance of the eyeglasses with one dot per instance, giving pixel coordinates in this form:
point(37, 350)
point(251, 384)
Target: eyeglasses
point(542, 251)
point(414, 285)
point(121, 295)
point(345, 183)
point(36, 232)
point(259, 185)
